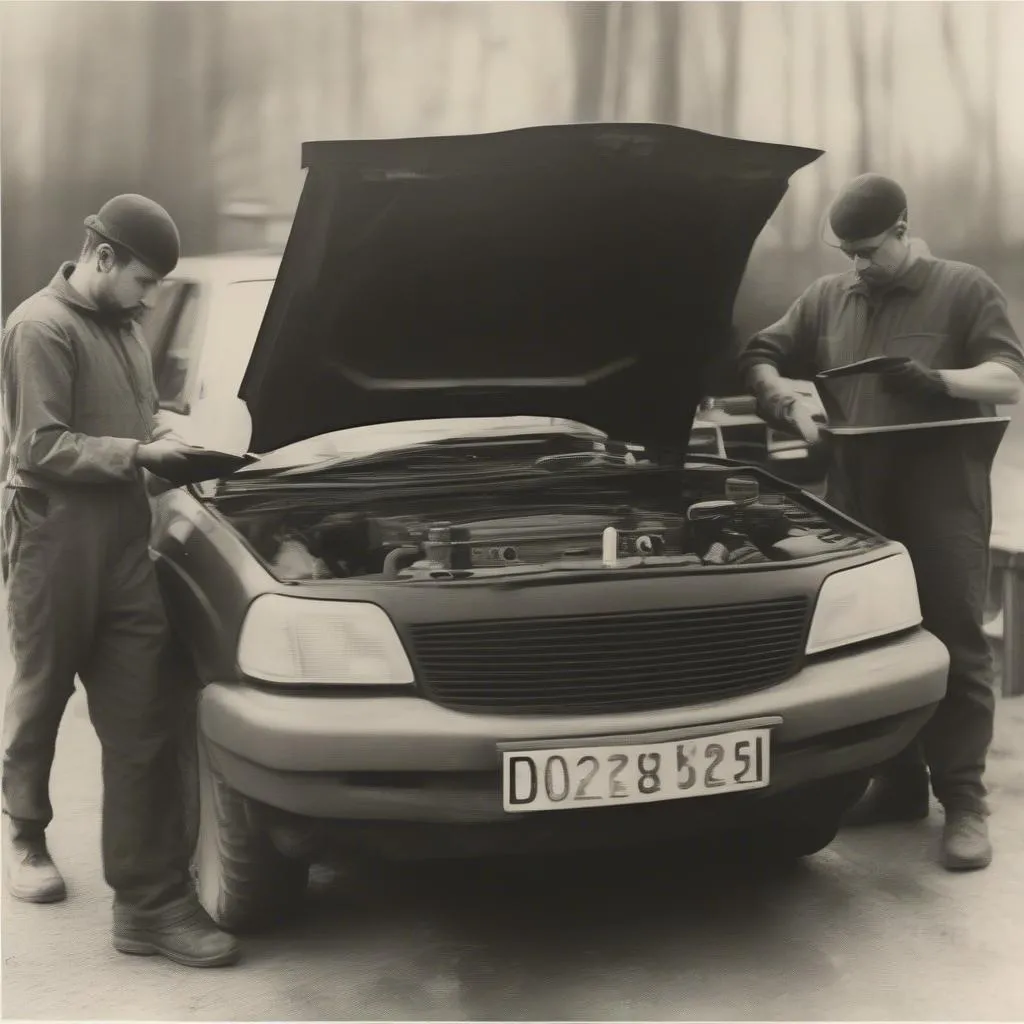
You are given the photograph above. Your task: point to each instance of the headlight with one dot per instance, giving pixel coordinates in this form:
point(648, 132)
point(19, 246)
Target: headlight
point(299, 641)
point(865, 602)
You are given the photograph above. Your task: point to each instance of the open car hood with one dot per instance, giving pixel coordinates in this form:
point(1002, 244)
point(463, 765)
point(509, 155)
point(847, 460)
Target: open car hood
point(581, 271)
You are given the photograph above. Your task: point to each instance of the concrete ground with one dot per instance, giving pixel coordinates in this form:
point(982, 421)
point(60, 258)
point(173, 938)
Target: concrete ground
point(870, 929)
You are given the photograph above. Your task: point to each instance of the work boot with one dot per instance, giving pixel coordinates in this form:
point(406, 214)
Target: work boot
point(965, 842)
point(182, 931)
point(29, 870)
point(890, 800)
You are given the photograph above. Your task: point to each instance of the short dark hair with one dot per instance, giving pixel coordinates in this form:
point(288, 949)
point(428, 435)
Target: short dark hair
point(93, 240)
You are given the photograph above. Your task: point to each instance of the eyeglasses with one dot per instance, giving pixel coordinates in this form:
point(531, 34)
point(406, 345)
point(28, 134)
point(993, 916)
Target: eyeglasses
point(868, 253)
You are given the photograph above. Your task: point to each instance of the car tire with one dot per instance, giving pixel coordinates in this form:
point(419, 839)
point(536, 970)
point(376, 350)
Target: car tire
point(802, 839)
point(806, 828)
point(242, 880)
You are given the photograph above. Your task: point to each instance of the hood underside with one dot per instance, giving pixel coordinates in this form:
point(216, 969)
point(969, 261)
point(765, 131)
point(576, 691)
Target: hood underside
point(581, 271)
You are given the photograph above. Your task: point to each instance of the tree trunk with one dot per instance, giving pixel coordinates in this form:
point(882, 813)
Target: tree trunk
point(184, 55)
point(820, 79)
point(355, 72)
point(975, 123)
point(623, 57)
point(789, 121)
point(994, 226)
point(668, 20)
point(732, 37)
point(888, 148)
point(859, 61)
point(588, 24)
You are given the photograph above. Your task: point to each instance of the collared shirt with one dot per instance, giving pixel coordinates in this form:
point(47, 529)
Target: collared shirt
point(77, 390)
point(946, 314)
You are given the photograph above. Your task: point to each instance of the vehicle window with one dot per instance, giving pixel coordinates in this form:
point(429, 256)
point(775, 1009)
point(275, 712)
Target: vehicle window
point(169, 330)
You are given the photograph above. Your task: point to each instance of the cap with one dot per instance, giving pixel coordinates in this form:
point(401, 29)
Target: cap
point(867, 206)
point(141, 226)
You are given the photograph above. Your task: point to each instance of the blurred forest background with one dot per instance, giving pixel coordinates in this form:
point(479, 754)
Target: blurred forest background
point(204, 106)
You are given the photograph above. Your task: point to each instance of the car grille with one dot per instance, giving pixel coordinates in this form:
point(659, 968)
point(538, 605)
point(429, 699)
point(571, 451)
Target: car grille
point(626, 661)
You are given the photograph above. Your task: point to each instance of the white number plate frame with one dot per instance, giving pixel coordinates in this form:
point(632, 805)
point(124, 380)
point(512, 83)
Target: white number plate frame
point(612, 771)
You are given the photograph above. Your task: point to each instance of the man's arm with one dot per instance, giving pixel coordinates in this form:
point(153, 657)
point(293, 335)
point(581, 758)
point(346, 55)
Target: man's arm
point(991, 382)
point(788, 343)
point(786, 346)
point(40, 362)
point(992, 346)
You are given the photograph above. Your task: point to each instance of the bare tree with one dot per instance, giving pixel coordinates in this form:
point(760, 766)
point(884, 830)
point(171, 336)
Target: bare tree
point(623, 56)
point(994, 225)
point(184, 47)
point(667, 71)
point(977, 121)
point(732, 38)
point(355, 85)
point(819, 56)
point(859, 68)
point(588, 23)
point(786, 212)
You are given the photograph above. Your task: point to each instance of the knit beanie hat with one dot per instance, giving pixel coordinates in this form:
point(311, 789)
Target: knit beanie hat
point(141, 226)
point(867, 206)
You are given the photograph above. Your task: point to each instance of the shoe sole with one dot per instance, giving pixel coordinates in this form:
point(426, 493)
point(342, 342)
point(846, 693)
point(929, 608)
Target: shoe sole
point(46, 896)
point(965, 864)
point(136, 947)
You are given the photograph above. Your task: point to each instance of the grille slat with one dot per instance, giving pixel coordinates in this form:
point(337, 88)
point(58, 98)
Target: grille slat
point(627, 661)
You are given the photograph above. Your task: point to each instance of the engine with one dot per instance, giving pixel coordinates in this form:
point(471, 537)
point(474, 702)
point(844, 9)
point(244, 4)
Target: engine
point(715, 519)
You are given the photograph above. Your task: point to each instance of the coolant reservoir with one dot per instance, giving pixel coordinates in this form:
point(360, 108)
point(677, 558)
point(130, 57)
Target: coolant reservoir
point(741, 489)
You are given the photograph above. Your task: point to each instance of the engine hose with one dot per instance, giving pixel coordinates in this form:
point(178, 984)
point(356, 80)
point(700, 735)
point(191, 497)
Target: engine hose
point(391, 566)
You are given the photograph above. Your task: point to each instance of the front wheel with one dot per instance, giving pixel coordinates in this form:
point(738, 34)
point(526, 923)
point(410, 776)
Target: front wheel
point(241, 879)
point(800, 840)
point(809, 823)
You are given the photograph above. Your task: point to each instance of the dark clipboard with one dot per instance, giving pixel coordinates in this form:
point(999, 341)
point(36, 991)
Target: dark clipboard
point(206, 464)
point(875, 364)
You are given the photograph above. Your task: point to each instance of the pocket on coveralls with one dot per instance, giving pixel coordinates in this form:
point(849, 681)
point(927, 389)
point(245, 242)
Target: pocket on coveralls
point(30, 506)
point(933, 349)
point(24, 509)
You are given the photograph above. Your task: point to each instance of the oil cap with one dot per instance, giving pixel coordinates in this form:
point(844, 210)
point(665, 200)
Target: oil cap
point(741, 489)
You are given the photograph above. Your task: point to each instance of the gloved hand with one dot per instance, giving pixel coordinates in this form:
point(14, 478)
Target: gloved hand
point(785, 407)
point(164, 458)
point(914, 378)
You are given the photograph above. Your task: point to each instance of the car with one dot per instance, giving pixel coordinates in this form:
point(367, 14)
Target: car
point(485, 584)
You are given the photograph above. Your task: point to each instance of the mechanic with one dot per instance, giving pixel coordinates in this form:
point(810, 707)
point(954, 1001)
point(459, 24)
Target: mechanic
point(79, 442)
point(961, 357)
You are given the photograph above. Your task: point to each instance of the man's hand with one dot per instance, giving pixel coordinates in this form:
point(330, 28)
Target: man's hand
point(164, 458)
point(914, 378)
point(779, 403)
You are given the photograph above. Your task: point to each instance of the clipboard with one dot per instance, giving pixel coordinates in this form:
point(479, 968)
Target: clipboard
point(206, 464)
point(874, 364)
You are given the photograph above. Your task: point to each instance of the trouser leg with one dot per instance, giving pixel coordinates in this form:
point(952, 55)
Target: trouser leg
point(946, 510)
point(144, 856)
point(952, 577)
point(49, 610)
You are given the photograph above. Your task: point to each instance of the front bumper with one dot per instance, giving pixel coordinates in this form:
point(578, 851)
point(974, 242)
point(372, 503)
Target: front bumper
point(404, 759)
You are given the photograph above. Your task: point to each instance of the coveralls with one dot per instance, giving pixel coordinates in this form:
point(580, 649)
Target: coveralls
point(78, 398)
point(929, 491)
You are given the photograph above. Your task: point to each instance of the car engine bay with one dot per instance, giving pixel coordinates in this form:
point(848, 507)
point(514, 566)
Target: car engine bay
point(718, 517)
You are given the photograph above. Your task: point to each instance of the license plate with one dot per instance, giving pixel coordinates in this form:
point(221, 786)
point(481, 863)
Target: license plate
point(564, 778)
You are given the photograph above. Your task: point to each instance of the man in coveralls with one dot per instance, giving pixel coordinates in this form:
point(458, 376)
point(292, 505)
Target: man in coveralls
point(949, 321)
point(78, 438)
